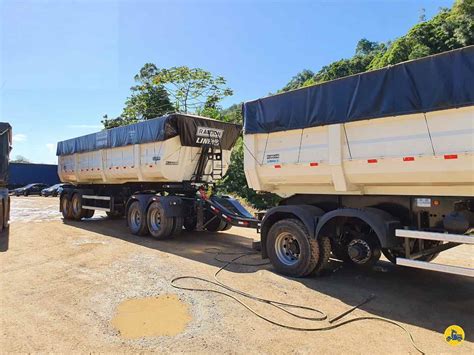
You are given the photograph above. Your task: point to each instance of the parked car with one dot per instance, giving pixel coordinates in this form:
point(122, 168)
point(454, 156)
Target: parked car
point(30, 189)
point(54, 190)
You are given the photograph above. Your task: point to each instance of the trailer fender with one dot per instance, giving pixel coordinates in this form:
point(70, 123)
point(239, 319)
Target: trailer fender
point(307, 214)
point(172, 205)
point(381, 222)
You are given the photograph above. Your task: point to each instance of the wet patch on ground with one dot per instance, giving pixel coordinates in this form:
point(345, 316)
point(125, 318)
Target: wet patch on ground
point(165, 315)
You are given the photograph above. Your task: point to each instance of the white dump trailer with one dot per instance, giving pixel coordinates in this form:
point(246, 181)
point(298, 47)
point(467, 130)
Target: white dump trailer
point(365, 163)
point(164, 149)
point(153, 172)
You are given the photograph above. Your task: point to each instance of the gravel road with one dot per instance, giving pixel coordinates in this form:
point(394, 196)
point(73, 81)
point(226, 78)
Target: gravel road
point(62, 283)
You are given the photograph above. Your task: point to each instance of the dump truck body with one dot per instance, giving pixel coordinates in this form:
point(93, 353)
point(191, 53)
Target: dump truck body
point(165, 149)
point(376, 163)
point(404, 130)
point(155, 173)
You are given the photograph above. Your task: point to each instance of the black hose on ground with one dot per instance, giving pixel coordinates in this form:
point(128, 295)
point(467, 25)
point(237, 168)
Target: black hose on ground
point(279, 305)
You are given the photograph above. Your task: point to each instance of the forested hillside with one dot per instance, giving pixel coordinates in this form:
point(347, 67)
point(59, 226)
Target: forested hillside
point(160, 91)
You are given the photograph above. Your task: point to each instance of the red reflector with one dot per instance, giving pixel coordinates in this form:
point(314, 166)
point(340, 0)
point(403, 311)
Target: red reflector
point(228, 219)
point(313, 164)
point(372, 161)
point(278, 166)
point(408, 158)
point(451, 156)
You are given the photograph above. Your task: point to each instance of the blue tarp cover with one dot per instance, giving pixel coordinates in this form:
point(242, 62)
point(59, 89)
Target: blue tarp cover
point(432, 83)
point(189, 128)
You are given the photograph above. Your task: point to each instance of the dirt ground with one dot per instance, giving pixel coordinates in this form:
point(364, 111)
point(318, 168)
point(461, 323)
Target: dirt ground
point(62, 283)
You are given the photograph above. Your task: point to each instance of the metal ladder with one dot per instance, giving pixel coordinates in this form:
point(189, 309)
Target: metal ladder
point(212, 153)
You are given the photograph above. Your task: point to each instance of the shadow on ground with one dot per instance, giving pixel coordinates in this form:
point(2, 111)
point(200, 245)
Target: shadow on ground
point(421, 298)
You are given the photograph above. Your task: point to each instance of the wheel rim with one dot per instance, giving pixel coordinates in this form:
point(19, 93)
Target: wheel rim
point(135, 218)
point(287, 249)
point(155, 219)
point(359, 251)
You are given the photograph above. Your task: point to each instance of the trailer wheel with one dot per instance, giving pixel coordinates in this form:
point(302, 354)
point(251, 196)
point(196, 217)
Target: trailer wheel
point(76, 207)
point(66, 207)
point(159, 225)
point(216, 225)
point(178, 223)
point(293, 252)
point(227, 226)
point(137, 221)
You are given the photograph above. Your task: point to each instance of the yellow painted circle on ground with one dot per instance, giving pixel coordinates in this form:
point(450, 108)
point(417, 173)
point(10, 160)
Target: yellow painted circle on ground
point(454, 335)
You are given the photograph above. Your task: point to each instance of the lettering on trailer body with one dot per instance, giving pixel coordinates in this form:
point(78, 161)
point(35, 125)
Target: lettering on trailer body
point(206, 135)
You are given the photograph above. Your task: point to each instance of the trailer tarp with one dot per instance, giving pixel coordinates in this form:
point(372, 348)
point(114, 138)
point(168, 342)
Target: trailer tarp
point(193, 131)
point(432, 83)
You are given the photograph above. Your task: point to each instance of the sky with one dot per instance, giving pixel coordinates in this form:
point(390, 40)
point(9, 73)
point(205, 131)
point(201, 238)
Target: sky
point(64, 64)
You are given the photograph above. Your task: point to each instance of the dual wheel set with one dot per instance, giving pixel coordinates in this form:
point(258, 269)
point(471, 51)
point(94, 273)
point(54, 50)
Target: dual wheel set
point(293, 252)
point(155, 223)
point(152, 222)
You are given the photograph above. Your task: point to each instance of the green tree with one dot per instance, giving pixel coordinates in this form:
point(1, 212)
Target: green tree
point(20, 159)
point(192, 89)
point(298, 80)
point(147, 100)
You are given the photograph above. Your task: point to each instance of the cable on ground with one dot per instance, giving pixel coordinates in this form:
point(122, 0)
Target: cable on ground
point(277, 304)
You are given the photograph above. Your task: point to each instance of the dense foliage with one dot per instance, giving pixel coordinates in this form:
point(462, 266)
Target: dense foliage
point(199, 91)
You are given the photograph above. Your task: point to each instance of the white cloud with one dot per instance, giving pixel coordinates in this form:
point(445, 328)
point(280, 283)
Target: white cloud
point(19, 137)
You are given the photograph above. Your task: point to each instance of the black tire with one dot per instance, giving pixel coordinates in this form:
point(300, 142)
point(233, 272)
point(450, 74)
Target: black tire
point(310, 259)
point(227, 226)
point(190, 223)
point(178, 223)
point(25, 193)
point(159, 226)
point(136, 220)
point(76, 207)
point(65, 204)
point(216, 225)
point(89, 213)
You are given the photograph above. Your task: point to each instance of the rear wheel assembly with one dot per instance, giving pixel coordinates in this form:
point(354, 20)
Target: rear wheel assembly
point(358, 245)
point(137, 219)
point(76, 207)
point(293, 252)
point(66, 207)
point(159, 225)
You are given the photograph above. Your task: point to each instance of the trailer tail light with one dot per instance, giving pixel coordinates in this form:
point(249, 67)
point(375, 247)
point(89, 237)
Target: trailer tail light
point(243, 223)
point(278, 166)
point(227, 218)
point(372, 161)
point(450, 156)
point(313, 164)
point(214, 209)
point(408, 158)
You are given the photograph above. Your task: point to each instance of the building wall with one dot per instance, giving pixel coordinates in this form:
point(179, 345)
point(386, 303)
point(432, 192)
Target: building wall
point(22, 174)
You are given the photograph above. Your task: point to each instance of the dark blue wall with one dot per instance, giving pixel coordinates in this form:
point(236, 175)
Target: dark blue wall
point(23, 174)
